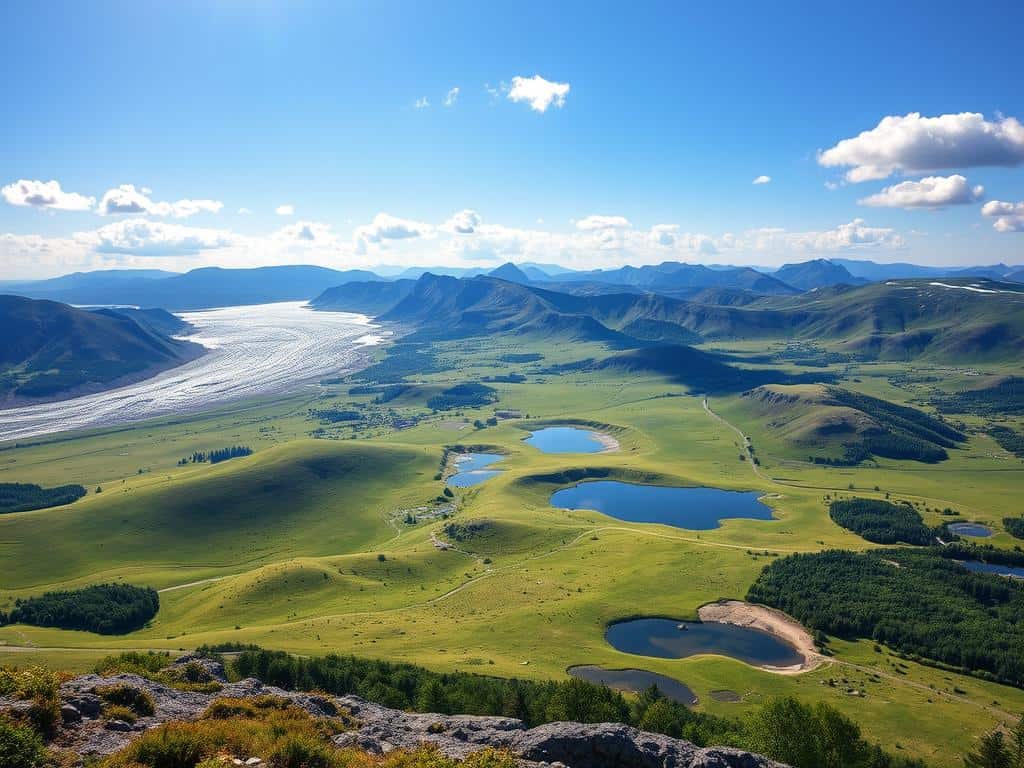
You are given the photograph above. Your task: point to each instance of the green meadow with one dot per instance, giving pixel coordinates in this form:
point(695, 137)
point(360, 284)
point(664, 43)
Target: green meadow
point(307, 545)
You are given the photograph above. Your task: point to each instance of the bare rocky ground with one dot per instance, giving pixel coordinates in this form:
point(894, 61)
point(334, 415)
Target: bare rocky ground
point(378, 730)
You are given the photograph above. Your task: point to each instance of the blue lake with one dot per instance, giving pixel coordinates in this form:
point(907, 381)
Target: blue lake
point(472, 470)
point(664, 638)
point(698, 509)
point(1014, 571)
point(565, 440)
point(970, 529)
point(635, 681)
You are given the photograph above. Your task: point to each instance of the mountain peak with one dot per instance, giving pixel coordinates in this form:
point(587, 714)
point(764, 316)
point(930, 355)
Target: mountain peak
point(510, 272)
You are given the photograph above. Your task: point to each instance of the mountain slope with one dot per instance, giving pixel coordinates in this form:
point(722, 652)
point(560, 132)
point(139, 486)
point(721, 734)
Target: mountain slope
point(50, 349)
point(368, 298)
point(817, 273)
point(671, 275)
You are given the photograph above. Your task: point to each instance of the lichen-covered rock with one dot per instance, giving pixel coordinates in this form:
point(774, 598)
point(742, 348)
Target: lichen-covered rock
point(379, 730)
point(577, 745)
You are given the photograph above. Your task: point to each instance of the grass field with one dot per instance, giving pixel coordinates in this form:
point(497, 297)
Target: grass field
point(303, 546)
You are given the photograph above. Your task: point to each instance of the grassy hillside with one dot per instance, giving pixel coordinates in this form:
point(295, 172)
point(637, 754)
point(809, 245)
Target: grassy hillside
point(313, 498)
point(49, 348)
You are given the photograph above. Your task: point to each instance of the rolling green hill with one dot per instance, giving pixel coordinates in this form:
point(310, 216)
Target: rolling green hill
point(308, 497)
point(48, 349)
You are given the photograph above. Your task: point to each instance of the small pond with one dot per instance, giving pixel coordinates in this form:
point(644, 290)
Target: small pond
point(567, 440)
point(1012, 571)
point(664, 638)
point(472, 470)
point(970, 529)
point(698, 509)
point(635, 681)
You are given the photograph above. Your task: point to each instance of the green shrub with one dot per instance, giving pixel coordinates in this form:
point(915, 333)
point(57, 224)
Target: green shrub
point(20, 747)
point(137, 700)
point(118, 712)
point(302, 751)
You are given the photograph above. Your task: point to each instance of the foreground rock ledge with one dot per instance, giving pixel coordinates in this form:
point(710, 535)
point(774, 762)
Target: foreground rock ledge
point(380, 729)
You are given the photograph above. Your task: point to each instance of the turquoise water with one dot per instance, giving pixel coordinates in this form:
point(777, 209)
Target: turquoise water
point(663, 638)
point(471, 469)
point(635, 681)
point(697, 509)
point(565, 440)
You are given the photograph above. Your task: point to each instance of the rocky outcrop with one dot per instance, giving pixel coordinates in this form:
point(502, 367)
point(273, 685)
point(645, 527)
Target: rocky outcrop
point(579, 745)
point(378, 730)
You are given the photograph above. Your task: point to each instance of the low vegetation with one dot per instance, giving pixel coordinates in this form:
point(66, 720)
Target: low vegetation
point(21, 497)
point(913, 600)
point(107, 609)
point(1008, 439)
point(881, 522)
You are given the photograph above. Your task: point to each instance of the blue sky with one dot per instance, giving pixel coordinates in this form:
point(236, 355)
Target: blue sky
point(672, 110)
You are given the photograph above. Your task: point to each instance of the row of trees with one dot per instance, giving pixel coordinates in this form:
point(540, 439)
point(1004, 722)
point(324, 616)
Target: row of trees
point(108, 609)
point(217, 455)
point(471, 394)
point(1014, 526)
point(801, 735)
point(913, 600)
point(21, 497)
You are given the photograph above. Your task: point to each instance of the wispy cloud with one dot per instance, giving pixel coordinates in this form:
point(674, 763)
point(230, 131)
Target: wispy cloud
point(285, 210)
point(762, 179)
point(451, 97)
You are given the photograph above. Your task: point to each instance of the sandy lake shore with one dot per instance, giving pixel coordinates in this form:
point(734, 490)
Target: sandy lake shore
point(768, 620)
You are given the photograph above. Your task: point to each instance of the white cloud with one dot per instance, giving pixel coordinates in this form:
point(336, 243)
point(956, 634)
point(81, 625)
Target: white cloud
point(307, 233)
point(1009, 217)
point(929, 192)
point(915, 144)
point(127, 200)
point(385, 227)
point(762, 179)
point(451, 97)
point(538, 92)
point(285, 210)
point(154, 238)
point(45, 194)
point(462, 223)
point(421, 103)
point(244, 212)
point(855, 235)
point(595, 222)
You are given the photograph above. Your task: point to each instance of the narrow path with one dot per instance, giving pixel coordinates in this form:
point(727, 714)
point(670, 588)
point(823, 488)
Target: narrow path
point(745, 440)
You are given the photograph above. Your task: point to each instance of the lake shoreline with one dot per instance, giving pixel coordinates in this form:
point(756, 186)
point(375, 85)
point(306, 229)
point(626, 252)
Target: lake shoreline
point(743, 614)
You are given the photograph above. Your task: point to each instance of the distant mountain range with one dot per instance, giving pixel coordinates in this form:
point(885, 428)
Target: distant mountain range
point(49, 350)
point(215, 287)
point(961, 319)
point(198, 289)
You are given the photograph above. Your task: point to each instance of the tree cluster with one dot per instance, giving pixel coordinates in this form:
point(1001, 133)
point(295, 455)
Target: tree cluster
point(107, 609)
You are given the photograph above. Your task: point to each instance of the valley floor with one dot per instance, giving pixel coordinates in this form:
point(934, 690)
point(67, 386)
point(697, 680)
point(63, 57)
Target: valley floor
point(330, 544)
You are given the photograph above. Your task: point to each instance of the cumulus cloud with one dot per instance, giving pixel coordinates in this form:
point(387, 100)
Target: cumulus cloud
point(45, 194)
point(285, 210)
point(596, 222)
point(127, 200)
point(538, 92)
point(916, 144)
point(451, 97)
point(308, 233)
point(1009, 217)
point(855, 235)
point(929, 192)
point(385, 227)
point(421, 103)
point(154, 238)
point(762, 179)
point(462, 223)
